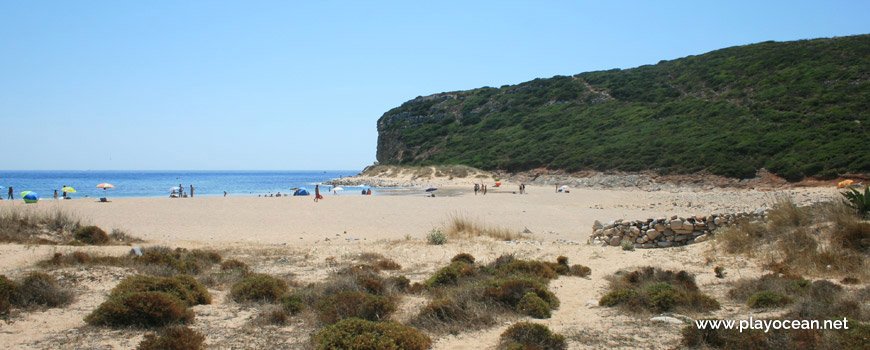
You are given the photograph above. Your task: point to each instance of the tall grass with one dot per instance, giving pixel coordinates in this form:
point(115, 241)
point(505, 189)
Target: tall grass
point(827, 239)
point(460, 225)
point(25, 225)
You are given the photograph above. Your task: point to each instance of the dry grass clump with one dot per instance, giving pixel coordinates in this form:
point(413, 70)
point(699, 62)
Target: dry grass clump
point(459, 225)
point(464, 257)
point(656, 290)
point(819, 300)
point(357, 334)
point(182, 287)
point(173, 338)
point(32, 226)
point(827, 239)
point(40, 289)
point(527, 335)
point(34, 290)
point(258, 288)
point(233, 264)
point(91, 235)
point(82, 258)
point(388, 264)
point(156, 260)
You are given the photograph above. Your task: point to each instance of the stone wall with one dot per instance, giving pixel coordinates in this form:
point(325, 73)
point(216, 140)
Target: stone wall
point(665, 232)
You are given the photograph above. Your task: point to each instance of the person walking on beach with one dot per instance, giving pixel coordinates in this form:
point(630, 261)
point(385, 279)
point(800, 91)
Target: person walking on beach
point(484, 190)
point(316, 192)
point(191, 190)
point(10, 193)
point(476, 188)
point(55, 194)
point(225, 193)
point(64, 192)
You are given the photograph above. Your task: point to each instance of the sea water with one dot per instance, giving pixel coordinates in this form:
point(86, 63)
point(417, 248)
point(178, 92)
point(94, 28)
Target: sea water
point(159, 183)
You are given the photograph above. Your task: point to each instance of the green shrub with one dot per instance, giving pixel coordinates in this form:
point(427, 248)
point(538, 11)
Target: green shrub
point(436, 237)
point(527, 267)
point(401, 283)
point(179, 259)
point(446, 275)
point(257, 288)
point(627, 245)
point(206, 255)
point(617, 297)
point(233, 264)
point(148, 309)
point(527, 335)
point(173, 338)
point(511, 290)
point(291, 303)
point(580, 271)
point(183, 287)
point(91, 235)
point(464, 257)
point(8, 293)
point(354, 304)
point(766, 299)
point(534, 306)
point(356, 334)
point(661, 296)
point(41, 289)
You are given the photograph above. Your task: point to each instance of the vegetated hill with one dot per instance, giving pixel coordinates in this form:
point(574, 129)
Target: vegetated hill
point(799, 108)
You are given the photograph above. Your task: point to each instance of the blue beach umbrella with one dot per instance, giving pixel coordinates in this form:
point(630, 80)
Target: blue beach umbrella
point(30, 197)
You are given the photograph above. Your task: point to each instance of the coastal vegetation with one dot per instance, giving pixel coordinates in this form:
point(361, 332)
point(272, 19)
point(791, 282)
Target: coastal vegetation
point(796, 108)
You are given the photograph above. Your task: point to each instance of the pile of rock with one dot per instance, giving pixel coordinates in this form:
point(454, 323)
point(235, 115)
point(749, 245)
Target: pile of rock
point(664, 232)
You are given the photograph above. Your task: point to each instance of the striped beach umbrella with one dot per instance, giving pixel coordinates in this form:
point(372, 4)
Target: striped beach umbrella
point(105, 186)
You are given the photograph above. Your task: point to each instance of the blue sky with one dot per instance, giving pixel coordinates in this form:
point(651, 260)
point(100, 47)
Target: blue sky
point(274, 85)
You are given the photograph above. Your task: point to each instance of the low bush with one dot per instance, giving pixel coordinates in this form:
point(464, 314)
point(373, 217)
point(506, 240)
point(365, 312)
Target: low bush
point(527, 335)
point(580, 271)
point(388, 264)
point(148, 309)
point(401, 283)
point(767, 299)
point(92, 235)
point(464, 257)
point(534, 306)
point(258, 288)
point(179, 260)
point(173, 338)
point(42, 290)
point(233, 264)
point(8, 293)
point(354, 304)
point(527, 267)
point(436, 237)
point(183, 287)
point(510, 291)
point(357, 334)
point(291, 303)
point(719, 271)
point(446, 275)
point(627, 245)
point(656, 290)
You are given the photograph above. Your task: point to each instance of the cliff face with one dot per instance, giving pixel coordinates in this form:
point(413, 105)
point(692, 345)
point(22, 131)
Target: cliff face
point(798, 109)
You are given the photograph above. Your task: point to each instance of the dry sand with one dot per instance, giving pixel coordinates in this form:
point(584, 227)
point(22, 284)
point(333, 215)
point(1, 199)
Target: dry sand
point(288, 237)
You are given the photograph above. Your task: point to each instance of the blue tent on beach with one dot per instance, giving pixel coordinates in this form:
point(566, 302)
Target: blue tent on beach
point(301, 192)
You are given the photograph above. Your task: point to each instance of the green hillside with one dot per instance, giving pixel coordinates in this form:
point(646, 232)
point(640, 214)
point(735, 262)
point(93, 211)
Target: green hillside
point(799, 108)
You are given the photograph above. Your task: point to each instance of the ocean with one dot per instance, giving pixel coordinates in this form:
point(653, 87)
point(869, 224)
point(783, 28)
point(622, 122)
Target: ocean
point(159, 183)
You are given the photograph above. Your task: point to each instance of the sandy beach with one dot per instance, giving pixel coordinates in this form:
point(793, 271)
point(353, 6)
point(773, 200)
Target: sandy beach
point(304, 241)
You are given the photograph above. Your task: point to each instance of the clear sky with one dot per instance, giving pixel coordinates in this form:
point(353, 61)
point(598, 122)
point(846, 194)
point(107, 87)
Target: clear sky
point(275, 85)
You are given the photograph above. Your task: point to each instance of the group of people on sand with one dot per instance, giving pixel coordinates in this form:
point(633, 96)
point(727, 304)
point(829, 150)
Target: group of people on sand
point(180, 192)
point(479, 188)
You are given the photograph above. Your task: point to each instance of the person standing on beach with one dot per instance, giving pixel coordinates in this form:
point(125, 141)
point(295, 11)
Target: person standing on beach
point(476, 188)
point(225, 193)
point(10, 193)
point(316, 192)
point(55, 194)
point(64, 192)
point(191, 190)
